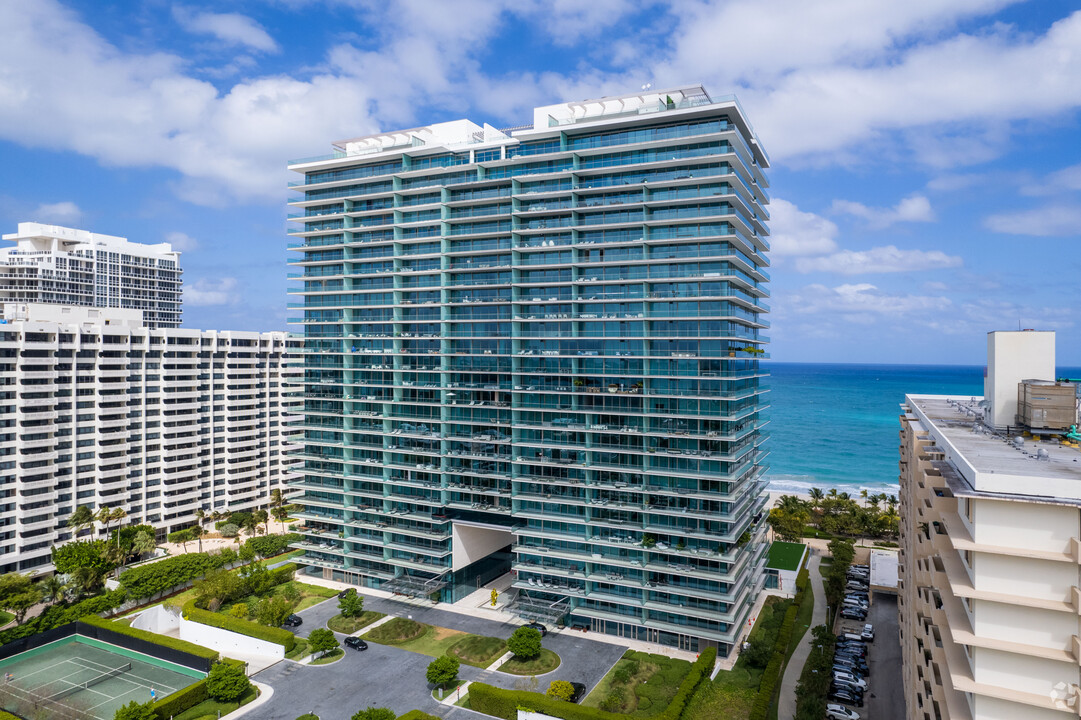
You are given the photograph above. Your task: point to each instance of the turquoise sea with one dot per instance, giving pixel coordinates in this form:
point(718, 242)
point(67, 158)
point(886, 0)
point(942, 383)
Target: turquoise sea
point(836, 425)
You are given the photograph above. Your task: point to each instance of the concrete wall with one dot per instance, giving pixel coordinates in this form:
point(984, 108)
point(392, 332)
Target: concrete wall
point(469, 543)
point(158, 620)
point(228, 643)
point(1044, 527)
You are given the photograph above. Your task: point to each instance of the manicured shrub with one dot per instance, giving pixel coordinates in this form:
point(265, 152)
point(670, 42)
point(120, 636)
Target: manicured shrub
point(442, 671)
point(229, 530)
point(146, 581)
point(411, 715)
point(181, 700)
point(136, 711)
point(265, 546)
point(560, 689)
point(374, 713)
point(525, 642)
point(81, 553)
point(227, 682)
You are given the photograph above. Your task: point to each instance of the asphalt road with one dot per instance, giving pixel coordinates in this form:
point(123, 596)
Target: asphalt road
point(886, 701)
point(385, 676)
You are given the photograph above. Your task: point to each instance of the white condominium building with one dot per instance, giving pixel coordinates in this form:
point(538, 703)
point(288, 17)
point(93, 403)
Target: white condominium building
point(102, 411)
point(63, 266)
point(990, 552)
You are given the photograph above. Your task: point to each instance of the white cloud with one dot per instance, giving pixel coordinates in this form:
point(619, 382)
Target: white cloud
point(915, 208)
point(794, 232)
point(1053, 220)
point(58, 213)
point(888, 259)
point(862, 303)
point(229, 28)
point(205, 291)
point(182, 241)
point(1066, 180)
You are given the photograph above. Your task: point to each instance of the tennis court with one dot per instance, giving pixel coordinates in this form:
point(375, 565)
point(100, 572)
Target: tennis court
point(80, 678)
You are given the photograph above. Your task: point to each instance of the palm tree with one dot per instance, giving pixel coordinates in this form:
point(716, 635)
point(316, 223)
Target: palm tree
point(261, 517)
point(200, 517)
point(114, 555)
point(86, 580)
point(80, 519)
point(52, 589)
point(280, 513)
point(816, 497)
point(143, 543)
point(198, 531)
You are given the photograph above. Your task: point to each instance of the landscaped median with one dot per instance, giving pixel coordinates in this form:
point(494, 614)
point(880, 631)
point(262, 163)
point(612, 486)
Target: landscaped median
point(476, 650)
point(638, 684)
point(505, 704)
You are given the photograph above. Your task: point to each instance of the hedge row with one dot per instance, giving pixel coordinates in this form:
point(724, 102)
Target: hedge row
point(269, 545)
point(181, 700)
point(62, 614)
point(244, 627)
point(4, 715)
point(164, 640)
point(505, 703)
point(767, 688)
point(145, 581)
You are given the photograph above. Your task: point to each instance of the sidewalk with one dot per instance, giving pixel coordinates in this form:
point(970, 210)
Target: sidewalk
point(786, 701)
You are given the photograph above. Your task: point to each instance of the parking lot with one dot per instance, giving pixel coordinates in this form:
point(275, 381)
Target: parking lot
point(885, 695)
point(385, 676)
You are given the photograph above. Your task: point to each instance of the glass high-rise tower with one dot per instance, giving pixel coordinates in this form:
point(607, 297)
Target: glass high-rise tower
point(536, 351)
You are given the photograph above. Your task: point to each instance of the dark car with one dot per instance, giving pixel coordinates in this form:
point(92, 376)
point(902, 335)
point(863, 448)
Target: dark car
point(538, 627)
point(356, 643)
point(844, 696)
point(293, 621)
point(579, 691)
point(347, 591)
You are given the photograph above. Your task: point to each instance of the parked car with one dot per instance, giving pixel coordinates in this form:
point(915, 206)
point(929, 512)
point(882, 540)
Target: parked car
point(538, 627)
point(840, 712)
point(841, 695)
point(858, 666)
point(355, 643)
point(842, 676)
point(579, 691)
point(293, 621)
point(868, 633)
point(851, 613)
point(347, 591)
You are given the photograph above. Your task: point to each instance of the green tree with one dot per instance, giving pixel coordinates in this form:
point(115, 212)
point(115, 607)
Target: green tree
point(258, 578)
point(758, 653)
point(374, 713)
point(229, 530)
point(143, 543)
point(351, 605)
point(525, 642)
point(136, 711)
point(561, 689)
point(227, 682)
point(181, 536)
point(322, 641)
point(273, 610)
point(18, 594)
point(215, 589)
point(52, 589)
point(240, 610)
point(86, 580)
point(80, 554)
point(261, 517)
point(197, 532)
point(442, 671)
point(280, 514)
point(81, 519)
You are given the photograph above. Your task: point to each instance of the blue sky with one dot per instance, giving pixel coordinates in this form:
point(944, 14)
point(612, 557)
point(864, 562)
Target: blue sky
point(926, 174)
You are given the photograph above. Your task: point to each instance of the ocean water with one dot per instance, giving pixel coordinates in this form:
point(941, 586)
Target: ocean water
point(836, 425)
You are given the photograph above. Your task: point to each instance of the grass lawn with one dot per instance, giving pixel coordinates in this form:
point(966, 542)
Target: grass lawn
point(785, 555)
point(333, 656)
point(5, 617)
point(300, 650)
point(214, 709)
point(546, 662)
point(732, 693)
point(348, 626)
point(478, 650)
point(639, 685)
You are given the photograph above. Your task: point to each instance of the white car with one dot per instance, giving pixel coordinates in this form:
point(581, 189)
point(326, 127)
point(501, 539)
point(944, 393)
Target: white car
point(850, 679)
point(840, 712)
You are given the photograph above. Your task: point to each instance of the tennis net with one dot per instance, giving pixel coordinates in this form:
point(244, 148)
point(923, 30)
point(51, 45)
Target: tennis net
point(79, 687)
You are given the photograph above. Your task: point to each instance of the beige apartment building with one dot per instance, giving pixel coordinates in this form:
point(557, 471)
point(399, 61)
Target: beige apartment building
point(990, 576)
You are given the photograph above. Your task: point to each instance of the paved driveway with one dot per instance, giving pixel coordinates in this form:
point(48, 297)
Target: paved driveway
point(385, 676)
point(886, 701)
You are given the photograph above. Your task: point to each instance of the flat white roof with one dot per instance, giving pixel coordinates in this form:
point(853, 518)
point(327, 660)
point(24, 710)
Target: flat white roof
point(884, 569)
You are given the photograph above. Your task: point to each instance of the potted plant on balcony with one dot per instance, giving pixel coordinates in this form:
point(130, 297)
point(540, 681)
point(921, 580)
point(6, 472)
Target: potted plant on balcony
point(648, 541)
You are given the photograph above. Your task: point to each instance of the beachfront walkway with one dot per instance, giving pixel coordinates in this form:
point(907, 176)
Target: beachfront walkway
point(786, 701)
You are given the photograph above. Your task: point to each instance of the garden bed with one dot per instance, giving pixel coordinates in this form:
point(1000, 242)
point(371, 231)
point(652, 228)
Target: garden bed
point(639, 684)
point(300, 650)
point(331, 657)
point(214, 709)
point(348, 626)
point(546, 662)
point(476, 650)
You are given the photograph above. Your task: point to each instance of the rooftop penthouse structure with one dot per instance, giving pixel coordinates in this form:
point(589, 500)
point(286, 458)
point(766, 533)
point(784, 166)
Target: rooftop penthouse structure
point(64, 266)
point(536, 351)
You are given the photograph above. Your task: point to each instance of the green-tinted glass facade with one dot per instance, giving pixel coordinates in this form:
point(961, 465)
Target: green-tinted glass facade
point(556, 332)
